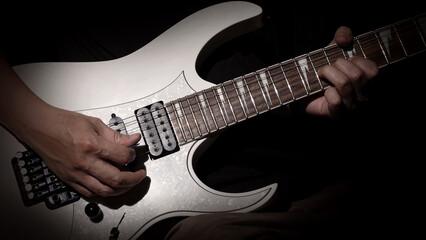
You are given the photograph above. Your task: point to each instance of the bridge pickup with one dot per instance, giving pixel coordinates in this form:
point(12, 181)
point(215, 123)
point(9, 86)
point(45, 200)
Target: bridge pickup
point(157, 130)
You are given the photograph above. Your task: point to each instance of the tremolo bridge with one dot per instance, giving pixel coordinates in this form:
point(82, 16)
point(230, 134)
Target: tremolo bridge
point(156, 129)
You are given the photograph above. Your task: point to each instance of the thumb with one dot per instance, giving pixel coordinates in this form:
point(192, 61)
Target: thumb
point(117, 137)
point(343, 36)
point(126, 140)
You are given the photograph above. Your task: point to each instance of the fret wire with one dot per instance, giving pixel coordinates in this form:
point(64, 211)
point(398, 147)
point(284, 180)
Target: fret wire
point(315, 70)
point(343, 52)
point(351, 52)
point(230, 105)
point(193, 116)
point(202, 112)
point(400, 40)
point(275, 88)
point(177, 108)
point(326, 56)
point(225, 120)
point(179, 120)
point(176, 127)
point(209, 108)
point(301, 77)
point(381, 47)
point(334, 53)
point(215, 106)
point(260, 87)
point(333, 46)
point(373, 49)
point(223, 101)
point(409, 33)
point(419, 31)
point(186, 120)
point(239, 98)
point(288, 83)
point(368, 47)
point(360, 47)
point(251, 96)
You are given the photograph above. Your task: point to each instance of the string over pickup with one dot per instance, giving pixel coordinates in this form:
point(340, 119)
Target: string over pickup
point(156, 130)
point(117, 124)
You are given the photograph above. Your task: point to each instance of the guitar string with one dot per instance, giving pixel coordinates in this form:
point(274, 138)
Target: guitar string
point(374, 39)
point(330, 55)
point(258, 89)
point(334, 47)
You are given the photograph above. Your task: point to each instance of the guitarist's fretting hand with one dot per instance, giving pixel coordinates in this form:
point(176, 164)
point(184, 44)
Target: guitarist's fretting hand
point(77, 148)
point(349, 77)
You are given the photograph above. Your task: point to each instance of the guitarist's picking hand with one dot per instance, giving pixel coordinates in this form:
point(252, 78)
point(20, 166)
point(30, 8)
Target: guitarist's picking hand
point(85, 153)
point(81, 150)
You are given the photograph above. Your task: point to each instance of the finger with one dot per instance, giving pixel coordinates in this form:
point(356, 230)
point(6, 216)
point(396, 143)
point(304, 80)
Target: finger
point(114, 136)
point(334, 102)
point(82, 190)
point(92, 187)
point(114, 146)
point(343, 36)
point(368, 67)
point(114, 152)
point(340, 81)
point(113, 177)
point(355, 75)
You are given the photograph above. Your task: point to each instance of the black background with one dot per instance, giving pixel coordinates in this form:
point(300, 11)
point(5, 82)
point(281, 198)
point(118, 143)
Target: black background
point(378, 148)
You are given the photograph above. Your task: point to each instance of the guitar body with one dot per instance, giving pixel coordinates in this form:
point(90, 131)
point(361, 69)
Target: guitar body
point(163, 70)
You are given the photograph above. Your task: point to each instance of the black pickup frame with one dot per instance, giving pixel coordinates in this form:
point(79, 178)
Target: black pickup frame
point(37, 183)
point(157, 130)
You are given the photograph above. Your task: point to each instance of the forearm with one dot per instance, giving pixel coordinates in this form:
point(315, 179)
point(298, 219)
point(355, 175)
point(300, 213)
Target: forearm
point(19, 106)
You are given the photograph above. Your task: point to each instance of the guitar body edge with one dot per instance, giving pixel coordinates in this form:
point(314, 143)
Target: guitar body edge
point(76, 87)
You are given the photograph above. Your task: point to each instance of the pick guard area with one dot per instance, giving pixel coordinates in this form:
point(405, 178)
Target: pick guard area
point(171, 188)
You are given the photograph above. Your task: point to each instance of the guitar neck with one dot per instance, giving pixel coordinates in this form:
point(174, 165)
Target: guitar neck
point(202, 113)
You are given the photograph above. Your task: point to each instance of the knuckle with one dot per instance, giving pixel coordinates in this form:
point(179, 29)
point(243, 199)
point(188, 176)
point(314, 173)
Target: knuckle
point(343, 82)
point(370, 67)
point(117, 136)
point(373, 70)
point(356, 75)
point(80, 164)
point(339, 62)
point(89, 145)
point(97, 121)
point(324, 69)
point(105, 192)
point(126, 157)
point(90, 194)
point(117, 181)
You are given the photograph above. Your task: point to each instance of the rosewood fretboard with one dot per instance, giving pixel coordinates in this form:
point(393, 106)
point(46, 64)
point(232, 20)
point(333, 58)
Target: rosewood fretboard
point(197, 115)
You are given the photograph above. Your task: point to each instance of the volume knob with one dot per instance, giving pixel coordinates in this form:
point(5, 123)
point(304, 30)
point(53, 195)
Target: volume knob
point(94, 213)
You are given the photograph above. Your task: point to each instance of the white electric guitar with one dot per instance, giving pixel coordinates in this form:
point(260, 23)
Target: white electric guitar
point(156, 91)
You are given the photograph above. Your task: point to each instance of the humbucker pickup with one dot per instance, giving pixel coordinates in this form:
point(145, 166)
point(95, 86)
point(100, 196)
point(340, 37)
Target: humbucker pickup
point(157, 130)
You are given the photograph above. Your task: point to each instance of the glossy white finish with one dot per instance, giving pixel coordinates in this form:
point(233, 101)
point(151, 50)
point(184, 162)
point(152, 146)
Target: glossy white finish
point(162, 70)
